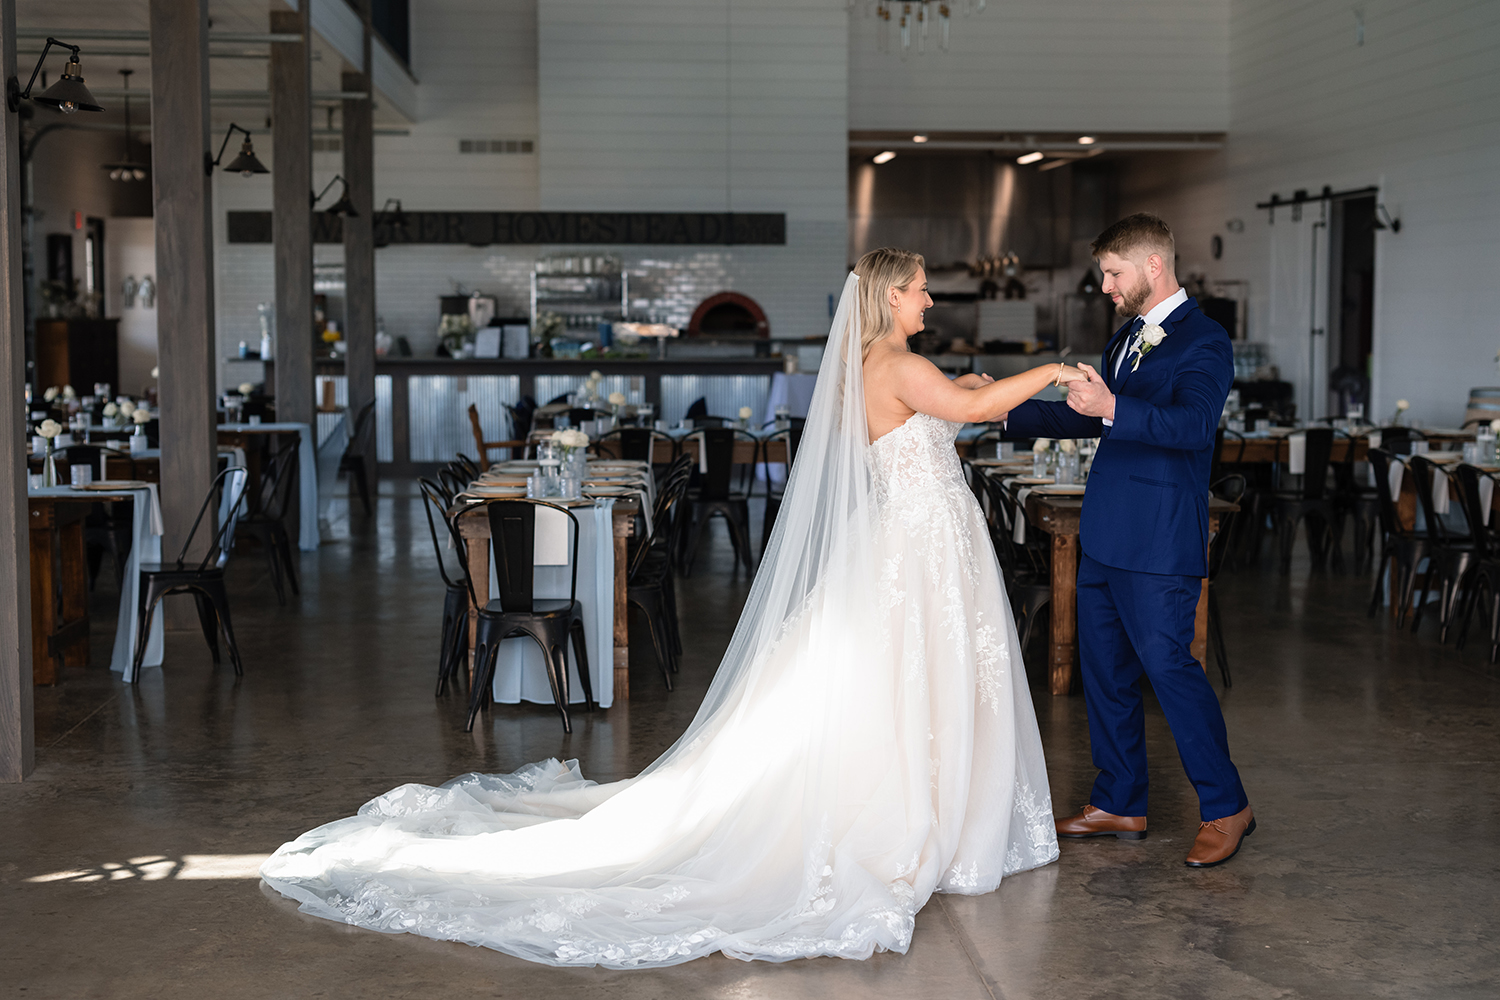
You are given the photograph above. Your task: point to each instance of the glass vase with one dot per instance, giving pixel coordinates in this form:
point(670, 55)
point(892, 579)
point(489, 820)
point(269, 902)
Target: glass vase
point(49, 466)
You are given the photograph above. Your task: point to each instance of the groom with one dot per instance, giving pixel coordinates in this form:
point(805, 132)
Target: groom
point(1144, 534)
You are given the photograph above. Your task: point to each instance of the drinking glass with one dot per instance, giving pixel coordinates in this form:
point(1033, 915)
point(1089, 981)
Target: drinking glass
point(1039, 464)
point(1067, 468)
point(81, 475)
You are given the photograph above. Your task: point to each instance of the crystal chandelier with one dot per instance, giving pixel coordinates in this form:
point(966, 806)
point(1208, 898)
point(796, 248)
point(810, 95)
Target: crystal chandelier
point(915, 20)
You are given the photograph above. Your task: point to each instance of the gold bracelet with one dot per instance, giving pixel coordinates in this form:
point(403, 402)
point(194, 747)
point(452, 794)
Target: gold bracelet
point(1060, 366)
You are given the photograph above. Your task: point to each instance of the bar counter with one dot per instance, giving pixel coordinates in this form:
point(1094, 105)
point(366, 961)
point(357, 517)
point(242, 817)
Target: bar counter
point(421, 404)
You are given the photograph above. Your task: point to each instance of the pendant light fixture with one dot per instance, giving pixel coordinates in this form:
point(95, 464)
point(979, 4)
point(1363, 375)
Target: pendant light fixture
point(914, 19)
point(245, 164)
point(127, 169)
point(67, 95)
point(343, 206)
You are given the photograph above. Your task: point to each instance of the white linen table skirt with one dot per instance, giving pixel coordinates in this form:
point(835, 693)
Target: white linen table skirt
point(307, 476)
point(145, 546)
point(519, 673)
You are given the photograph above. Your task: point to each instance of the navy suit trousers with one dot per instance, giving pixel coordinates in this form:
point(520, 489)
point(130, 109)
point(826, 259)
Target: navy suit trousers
point(1134, 623)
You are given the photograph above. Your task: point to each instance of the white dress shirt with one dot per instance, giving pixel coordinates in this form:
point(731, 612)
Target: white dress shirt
point(1158, 312)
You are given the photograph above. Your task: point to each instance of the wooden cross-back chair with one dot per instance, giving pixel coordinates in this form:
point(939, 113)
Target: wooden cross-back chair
point(486, 446)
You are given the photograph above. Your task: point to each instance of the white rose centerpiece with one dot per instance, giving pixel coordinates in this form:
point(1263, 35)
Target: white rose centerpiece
point(1066, 446)
point(1042, 444)
point(49, 429)
point(141, 416)
point(111, 410)
point(246, 388)
point(1401, 407)
point(51, 393)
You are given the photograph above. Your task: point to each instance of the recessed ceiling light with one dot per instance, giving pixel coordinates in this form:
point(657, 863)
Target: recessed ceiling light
point(1086, 140)
point(919, 138)
point(1028, 158)
point(885, 157)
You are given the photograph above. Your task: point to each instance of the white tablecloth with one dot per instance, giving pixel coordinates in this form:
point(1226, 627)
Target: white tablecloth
point(145, 546)
point(307, 476)
point(795, 392)
point(519, 673)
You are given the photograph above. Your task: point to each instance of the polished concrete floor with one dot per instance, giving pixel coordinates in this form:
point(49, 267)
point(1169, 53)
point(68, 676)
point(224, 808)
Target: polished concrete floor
point(127, 859)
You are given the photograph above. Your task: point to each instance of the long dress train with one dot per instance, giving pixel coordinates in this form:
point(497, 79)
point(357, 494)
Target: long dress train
point(877, 745)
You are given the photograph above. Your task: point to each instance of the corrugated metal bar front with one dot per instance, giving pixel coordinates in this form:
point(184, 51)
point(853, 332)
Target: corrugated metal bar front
point(439, 412)
point(385, 448)
point(724, 394)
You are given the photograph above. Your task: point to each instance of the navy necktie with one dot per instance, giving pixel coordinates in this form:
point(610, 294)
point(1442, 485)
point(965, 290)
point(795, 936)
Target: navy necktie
point(1129, 338)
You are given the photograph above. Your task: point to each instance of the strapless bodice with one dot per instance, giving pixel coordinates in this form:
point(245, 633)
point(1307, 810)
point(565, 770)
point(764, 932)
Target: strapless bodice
point(917, 457)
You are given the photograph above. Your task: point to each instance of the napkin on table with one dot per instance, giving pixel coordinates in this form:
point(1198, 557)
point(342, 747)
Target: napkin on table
point(1296, 460)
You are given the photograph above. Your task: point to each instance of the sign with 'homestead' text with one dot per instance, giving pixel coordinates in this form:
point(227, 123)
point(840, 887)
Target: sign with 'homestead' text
point(486, 228)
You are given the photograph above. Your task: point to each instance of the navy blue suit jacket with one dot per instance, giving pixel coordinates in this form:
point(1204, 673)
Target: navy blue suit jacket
point(1146, 506)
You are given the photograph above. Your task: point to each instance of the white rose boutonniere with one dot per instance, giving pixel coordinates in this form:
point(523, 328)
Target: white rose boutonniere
point(1151, 335)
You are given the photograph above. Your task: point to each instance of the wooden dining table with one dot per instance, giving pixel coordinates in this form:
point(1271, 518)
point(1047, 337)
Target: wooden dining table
point(474, 528)
point(1059, 517)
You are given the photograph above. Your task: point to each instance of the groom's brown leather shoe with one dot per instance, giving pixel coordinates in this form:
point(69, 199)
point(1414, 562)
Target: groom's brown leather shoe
point(1220, 839)
point(1098, 823)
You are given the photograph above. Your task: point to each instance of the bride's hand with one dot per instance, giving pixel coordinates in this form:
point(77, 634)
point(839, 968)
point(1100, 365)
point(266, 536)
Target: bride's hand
point(1071, 375)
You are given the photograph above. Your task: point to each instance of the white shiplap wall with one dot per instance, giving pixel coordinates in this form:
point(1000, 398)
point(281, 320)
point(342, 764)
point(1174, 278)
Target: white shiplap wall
point(1049, 65)
point(705, 105)
point(1415, 110)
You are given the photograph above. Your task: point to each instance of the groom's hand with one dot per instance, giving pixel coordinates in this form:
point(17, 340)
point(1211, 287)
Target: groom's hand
point(1090, 396)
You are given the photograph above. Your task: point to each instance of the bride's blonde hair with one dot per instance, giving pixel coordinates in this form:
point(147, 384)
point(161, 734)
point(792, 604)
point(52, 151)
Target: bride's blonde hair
point(879, 271)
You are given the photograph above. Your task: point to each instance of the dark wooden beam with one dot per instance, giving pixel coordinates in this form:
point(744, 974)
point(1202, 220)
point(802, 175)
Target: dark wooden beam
point(184, 265)
point(291, 183)
point(359, 245)
point(17, 744)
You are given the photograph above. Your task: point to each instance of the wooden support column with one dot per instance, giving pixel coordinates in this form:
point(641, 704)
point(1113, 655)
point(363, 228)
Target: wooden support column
point(184, 268)
point(359, 247)
point(291, 214)
point(17, 744)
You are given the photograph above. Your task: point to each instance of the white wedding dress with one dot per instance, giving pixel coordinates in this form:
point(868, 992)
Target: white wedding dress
point(869, 740)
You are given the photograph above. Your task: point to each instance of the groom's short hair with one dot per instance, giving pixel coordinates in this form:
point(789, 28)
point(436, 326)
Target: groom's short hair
point(1137, 237)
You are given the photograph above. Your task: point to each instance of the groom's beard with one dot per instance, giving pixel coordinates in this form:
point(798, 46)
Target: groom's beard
point(1131, 301)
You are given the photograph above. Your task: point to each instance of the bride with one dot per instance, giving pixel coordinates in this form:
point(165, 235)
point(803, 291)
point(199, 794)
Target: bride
point(867, 740)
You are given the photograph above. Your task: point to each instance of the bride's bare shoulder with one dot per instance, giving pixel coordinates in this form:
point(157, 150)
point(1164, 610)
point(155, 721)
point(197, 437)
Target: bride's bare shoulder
point(897, 365)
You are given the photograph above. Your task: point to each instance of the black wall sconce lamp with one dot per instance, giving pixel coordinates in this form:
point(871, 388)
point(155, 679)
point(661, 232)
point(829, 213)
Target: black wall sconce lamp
point(343, 206)
point(1383, 219)
point(245, 164)
point(67, 95)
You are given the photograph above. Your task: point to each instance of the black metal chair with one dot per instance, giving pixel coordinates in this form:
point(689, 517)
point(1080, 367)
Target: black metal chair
point(1401, 550)
point(454, 479)
point(1352, 501)
point(453, 650)
point(992, 435)
point(266, 521)
point(1450, 556)
point(636, 444)
point(791, 438)
point(717, 494)
point(1025, 566)
point(204, 581)
point(1310, 504)
point(1231, 488)
point(467, 464)
point(649, 580)
point(518, 612)
point(353, 459)
point(1486, 572)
